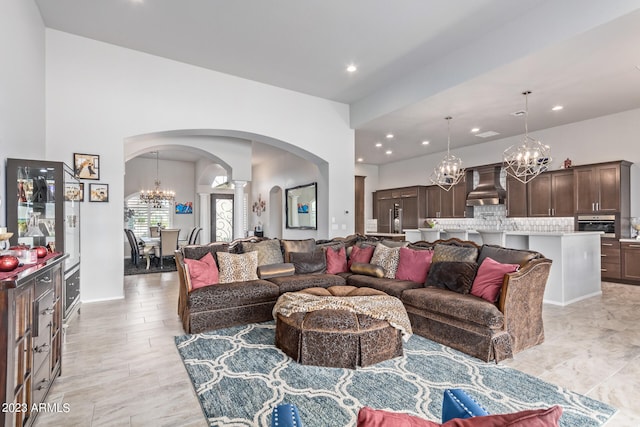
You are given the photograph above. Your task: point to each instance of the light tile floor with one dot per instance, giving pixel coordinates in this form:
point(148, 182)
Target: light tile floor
point(121, 367)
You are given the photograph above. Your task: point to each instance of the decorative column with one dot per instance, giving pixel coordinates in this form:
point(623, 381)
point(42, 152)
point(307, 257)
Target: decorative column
point(205, 217)
point(238, 208)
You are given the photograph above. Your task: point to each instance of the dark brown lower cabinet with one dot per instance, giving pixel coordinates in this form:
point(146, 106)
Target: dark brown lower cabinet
point(31, 304)
point(630, 261)
point(610, 258)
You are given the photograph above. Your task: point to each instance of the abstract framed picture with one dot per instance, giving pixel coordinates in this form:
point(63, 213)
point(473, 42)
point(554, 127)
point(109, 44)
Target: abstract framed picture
point(184, 208)
point(98, 192)
point(86, 166)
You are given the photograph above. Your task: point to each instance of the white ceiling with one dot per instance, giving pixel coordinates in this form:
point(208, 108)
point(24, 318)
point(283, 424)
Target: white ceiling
point(418, 60)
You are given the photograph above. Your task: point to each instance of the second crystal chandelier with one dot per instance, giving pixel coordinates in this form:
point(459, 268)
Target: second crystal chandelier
point(527, 160)
point(450, 171)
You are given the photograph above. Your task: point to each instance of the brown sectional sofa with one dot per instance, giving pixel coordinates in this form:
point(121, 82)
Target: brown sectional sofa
point(465, 322)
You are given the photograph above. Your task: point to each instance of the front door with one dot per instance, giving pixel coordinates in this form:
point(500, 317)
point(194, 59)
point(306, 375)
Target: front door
point(221, 217)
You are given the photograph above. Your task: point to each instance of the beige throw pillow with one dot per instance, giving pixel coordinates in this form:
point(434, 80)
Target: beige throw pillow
point(237, 267)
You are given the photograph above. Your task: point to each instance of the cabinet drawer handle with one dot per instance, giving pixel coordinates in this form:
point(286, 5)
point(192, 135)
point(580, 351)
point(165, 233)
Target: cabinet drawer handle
point(634, 246)
point(47, 311)
point(45, 279)
point(603, 254)
point(603, 269)
point(606, 244)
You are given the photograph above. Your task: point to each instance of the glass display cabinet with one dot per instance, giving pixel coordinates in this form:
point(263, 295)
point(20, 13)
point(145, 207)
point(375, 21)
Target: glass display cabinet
point(43, 209)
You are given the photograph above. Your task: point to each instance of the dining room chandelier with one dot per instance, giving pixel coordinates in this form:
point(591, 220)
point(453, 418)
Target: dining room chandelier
point(527, 160)
point(157, 197)
point(450, 171)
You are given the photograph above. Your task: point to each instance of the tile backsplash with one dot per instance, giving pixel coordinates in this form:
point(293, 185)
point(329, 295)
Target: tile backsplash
point(494, 217)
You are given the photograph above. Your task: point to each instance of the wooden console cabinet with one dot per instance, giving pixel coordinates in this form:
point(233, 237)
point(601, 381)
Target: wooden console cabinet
point(31, 306)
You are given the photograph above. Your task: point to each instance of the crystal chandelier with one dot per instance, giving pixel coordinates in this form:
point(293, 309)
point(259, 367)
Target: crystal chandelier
point(450, 171)
point(527, 160)
point(157, 197)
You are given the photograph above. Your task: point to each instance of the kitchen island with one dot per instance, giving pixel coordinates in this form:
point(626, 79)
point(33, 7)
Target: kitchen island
point(575, 272)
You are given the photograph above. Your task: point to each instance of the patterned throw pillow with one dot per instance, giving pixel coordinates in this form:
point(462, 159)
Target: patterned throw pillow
point(268, 251)
point(202, 272)
point(454, 253)
point(386, 258)
point(238, 267)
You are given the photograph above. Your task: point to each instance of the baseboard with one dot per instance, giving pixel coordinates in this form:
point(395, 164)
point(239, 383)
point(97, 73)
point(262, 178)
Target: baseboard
point(594, 294)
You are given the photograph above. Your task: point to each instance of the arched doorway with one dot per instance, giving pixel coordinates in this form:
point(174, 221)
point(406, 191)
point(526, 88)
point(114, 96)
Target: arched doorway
point(275, 212)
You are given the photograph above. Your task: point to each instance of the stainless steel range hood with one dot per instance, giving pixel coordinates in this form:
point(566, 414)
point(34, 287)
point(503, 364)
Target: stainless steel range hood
point(489, 191)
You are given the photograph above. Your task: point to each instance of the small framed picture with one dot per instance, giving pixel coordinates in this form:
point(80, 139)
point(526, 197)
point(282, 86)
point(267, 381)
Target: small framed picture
point(74, 192)
point(98, 192)
point(86, 166)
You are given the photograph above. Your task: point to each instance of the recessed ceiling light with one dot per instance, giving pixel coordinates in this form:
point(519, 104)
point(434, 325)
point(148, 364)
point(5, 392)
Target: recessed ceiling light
point(389, 136)
point(474, 130)
point(557, 108)
point(388, 152)
point(425, 142)
point(487, 134)
point(360, 159)
point(352, 68)
point(378, 144)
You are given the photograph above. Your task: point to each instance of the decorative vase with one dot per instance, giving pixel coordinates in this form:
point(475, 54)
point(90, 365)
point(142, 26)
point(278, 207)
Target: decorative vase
point(8, 262)
point(41, 251)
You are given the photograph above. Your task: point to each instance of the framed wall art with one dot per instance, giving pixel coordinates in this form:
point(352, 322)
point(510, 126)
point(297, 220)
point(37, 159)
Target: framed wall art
point(98, 192)
point(74, 192)
point(86, 166)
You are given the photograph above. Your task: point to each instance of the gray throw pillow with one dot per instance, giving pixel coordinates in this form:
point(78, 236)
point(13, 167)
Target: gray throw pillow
point(454, 276)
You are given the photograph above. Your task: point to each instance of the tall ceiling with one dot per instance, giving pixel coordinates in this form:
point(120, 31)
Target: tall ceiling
point(418, 60)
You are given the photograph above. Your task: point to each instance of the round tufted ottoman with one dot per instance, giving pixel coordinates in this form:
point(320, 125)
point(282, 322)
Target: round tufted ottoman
point(337, 338)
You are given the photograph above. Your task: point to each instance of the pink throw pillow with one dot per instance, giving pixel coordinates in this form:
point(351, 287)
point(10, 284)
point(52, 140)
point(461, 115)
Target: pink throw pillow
point(337, 261)
point(550, 417)
point(362, 255)
point(488, 281)
point(414, 265)
point(202, 272)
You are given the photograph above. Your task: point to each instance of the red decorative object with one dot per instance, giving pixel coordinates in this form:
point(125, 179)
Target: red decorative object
point(8, 262)
point(41, 251)
point(567, 163)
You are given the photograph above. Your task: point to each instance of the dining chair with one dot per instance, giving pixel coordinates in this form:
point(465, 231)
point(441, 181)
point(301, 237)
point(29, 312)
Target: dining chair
point(168, 244)
point(193, 239)
point(138, 249)
point(154, 231)
point(190, 235)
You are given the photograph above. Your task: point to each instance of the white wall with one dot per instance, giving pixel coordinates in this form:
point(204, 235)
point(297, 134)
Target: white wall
point(286, 171)
point(99, 95)
point(22, 102)
point(608, 138)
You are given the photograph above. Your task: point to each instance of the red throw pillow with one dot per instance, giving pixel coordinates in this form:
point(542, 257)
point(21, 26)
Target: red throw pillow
point(337, 260)
point(202, 272)
point(530, 418)
point(362, 255)
point(414, 265)
point(488, 281)
point(368, 417)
